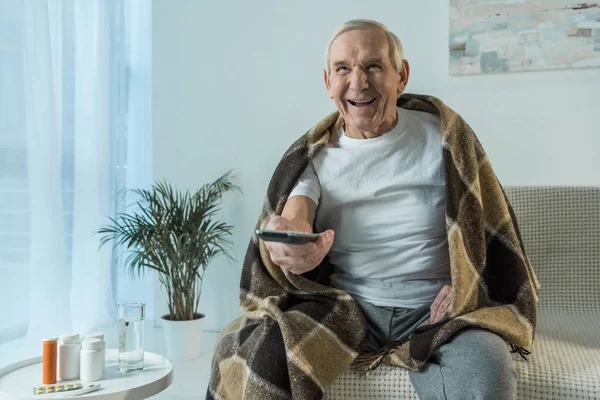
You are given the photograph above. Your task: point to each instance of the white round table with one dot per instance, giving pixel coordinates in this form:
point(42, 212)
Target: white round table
point(18, 380)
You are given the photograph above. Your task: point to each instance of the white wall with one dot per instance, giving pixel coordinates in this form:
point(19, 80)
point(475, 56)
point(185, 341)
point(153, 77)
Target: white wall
point(236, 82)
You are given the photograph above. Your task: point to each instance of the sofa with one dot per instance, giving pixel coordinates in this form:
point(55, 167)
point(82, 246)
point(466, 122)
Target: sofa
point(560, 227)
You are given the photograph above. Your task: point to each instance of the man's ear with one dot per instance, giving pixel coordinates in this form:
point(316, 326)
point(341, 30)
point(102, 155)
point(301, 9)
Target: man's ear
point(327, 85)
point(403, 77)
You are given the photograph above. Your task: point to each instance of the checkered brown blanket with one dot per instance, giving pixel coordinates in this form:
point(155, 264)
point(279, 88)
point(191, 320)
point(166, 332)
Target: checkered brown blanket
point(296, 334)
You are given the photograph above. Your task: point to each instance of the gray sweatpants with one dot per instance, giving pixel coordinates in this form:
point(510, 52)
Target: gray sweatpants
point(474, 364)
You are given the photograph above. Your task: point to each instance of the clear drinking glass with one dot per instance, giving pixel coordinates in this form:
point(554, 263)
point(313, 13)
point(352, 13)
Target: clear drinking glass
point(131, 337)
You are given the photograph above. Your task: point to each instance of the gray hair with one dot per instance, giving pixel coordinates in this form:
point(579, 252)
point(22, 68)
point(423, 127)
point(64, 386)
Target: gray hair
point(396, 49)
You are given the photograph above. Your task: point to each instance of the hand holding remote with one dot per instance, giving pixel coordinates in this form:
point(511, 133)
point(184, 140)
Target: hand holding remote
point(297, 258)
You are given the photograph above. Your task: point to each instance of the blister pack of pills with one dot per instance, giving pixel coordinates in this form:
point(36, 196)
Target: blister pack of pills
point(63, 387)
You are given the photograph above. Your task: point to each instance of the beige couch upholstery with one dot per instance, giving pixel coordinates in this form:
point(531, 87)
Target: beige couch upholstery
point(561, 230)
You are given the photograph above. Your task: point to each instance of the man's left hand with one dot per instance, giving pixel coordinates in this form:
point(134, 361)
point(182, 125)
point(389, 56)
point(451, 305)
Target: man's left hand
point(440, 304)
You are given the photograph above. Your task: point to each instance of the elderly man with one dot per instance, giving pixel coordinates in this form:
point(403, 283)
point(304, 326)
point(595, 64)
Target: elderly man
point(377, 192)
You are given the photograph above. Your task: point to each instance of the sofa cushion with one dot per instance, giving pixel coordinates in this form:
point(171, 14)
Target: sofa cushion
point(564, 364)
point(565, 359)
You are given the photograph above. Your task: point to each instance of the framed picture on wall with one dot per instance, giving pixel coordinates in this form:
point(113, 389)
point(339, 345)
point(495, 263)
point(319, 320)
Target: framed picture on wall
point(496, 36)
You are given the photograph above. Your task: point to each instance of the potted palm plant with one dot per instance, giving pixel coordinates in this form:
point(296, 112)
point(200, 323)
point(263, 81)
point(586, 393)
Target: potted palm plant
point(175, 234)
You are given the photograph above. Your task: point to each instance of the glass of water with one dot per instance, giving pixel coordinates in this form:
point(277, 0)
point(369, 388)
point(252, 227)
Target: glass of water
point(131, 337)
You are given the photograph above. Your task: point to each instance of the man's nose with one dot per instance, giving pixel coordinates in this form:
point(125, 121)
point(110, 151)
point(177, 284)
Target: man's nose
point(358, 80)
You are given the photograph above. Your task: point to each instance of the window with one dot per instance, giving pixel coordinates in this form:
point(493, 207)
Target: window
point(75, 129)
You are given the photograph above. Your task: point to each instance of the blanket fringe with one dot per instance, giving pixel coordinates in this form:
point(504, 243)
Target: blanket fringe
point(523, 352)
point(367, 362)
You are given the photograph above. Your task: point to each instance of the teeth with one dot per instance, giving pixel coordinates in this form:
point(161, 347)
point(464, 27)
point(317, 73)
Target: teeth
point(361, 101)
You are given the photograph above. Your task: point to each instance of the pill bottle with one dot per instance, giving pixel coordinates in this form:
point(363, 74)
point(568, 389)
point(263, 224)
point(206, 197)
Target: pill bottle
point(68, 356)
point(99, 335)
point(49, 361)
point(92, 367)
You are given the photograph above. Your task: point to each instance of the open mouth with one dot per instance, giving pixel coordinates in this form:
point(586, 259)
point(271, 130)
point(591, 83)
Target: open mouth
point(361, 103)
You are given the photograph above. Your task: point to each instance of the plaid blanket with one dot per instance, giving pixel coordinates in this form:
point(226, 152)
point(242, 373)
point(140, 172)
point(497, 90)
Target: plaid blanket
point(296, 334)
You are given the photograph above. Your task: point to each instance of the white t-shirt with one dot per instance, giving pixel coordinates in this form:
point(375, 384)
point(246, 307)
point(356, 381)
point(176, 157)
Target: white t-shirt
point(385, 199)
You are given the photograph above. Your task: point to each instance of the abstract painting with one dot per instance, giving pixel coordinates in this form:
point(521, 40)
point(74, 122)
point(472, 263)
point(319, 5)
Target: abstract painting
point(495, 36)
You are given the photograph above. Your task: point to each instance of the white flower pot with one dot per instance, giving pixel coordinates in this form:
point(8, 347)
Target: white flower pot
point(183, 338)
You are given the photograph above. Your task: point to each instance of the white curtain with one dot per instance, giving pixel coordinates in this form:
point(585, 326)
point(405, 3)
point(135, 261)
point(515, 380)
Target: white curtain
point(42, 65)
point(79, 72)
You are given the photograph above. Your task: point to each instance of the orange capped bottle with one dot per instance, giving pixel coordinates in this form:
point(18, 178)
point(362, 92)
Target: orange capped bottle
point(49, 361)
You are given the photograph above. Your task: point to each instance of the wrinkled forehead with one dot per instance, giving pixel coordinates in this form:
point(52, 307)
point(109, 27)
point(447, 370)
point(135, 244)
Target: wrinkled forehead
point(359, 45)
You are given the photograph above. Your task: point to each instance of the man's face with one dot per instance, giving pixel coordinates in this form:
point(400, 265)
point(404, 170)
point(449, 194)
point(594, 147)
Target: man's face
point(363, 83)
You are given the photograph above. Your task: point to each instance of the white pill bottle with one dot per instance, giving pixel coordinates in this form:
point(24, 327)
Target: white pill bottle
point(92, 360)
point(69, 349)
point(99, 335)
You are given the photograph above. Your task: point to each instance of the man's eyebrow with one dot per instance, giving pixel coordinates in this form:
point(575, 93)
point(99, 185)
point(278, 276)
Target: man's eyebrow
point(338, 63)
point(374, 61)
